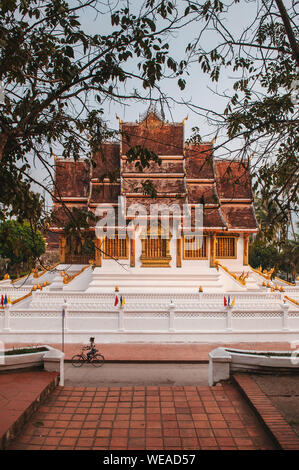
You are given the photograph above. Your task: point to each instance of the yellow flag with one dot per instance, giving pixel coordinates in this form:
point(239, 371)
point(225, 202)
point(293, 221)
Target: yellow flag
point(233, 301)
point(122, 300)
point(8, 301)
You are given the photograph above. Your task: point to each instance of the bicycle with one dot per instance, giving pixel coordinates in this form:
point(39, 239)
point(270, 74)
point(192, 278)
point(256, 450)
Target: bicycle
point(96, 360)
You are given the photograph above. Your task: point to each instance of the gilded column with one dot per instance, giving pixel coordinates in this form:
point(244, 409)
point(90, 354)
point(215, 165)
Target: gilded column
point(132, 251)
point(212, 250)
point(62, 248)
point(179, 253)
point(245, 249)
point(98, 253)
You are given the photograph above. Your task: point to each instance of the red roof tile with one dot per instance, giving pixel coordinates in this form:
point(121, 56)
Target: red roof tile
point(158, 136)
point(107, 160)
point(106, 192)
point(239, 216)
point(199, 161)
point(201, 193)
point(232, 179)
point(71, 178)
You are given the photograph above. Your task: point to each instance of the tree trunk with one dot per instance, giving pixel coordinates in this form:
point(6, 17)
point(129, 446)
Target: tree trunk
point(289, 30)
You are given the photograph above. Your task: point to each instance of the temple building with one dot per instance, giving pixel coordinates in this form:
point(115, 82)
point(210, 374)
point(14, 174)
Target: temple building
point(185, 175)
point(145, 276)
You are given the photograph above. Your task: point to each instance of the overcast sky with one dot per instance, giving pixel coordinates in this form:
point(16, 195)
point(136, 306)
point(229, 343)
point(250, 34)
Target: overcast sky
point(199, 88)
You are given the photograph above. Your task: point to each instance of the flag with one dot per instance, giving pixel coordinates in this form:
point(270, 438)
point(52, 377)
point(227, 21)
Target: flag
point(2, 300)
point(233, 301)
point(5, 299)
point(116, 301)
point(9, 301)
point(228, 301)
point(225, 301)
point(122, 301)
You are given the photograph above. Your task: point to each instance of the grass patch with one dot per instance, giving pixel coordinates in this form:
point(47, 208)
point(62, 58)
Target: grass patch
point(266, 354)
point(25, 351)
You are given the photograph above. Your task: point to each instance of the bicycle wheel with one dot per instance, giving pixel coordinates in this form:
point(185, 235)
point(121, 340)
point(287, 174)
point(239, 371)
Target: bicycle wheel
point(98, 360)
point(78, 360)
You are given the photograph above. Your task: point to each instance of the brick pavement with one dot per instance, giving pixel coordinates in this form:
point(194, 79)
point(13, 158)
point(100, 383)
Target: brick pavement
point(147, 418)
point(20, 394)
point(273, 419)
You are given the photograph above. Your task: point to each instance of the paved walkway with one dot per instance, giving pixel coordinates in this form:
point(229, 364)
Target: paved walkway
point(163, 352)
point(20, 393)
point(128, 374)
point(152, 417)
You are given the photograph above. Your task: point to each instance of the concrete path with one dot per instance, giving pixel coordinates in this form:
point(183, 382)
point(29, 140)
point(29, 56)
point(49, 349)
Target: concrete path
point(162, 352)
point(137, 374)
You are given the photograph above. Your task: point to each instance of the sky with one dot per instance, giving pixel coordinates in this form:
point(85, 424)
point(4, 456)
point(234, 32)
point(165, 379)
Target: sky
point(199, 91)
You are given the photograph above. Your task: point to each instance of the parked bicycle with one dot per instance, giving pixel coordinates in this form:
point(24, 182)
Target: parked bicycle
point(93, 358)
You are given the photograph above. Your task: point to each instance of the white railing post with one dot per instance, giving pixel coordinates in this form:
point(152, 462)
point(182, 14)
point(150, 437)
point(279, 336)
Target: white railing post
point(121, 322)
point(7, 317)
point(228, 317)
point(171, 308)
point(285, 311)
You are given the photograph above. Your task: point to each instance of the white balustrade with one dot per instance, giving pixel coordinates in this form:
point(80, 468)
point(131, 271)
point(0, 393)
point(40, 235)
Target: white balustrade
point(148, 314)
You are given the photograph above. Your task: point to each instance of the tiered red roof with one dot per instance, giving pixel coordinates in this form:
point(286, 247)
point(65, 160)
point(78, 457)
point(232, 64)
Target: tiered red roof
point(185, 175)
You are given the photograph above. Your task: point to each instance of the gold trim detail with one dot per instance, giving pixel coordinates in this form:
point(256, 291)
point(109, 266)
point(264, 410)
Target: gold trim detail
point(265, 274)
point(67, 278)
point(291, 300)
point(240, 279)
point(286, 282)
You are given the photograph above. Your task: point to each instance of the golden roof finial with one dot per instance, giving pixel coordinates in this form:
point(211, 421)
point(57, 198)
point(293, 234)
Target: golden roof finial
point(116, 289)
point(185, 119)
point(200, 289)
point(120, 120)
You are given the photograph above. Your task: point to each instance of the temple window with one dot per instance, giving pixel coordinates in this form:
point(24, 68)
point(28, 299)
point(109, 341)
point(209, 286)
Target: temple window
point(226, 247)
point(155, 249)
point(117, 248)
point(195, 247)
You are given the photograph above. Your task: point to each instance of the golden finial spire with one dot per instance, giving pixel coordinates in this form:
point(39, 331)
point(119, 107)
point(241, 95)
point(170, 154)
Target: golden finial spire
point(185, 119)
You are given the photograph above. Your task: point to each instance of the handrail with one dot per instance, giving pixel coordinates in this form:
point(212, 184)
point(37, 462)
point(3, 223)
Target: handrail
point(67, 278)
point(286, 282)
point(21, 298)
point(291, 300)
point(239, 279)
point(265, 276)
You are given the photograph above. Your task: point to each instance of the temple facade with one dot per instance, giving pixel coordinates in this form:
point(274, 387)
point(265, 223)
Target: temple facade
point(160, 279)
point(184, 177)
